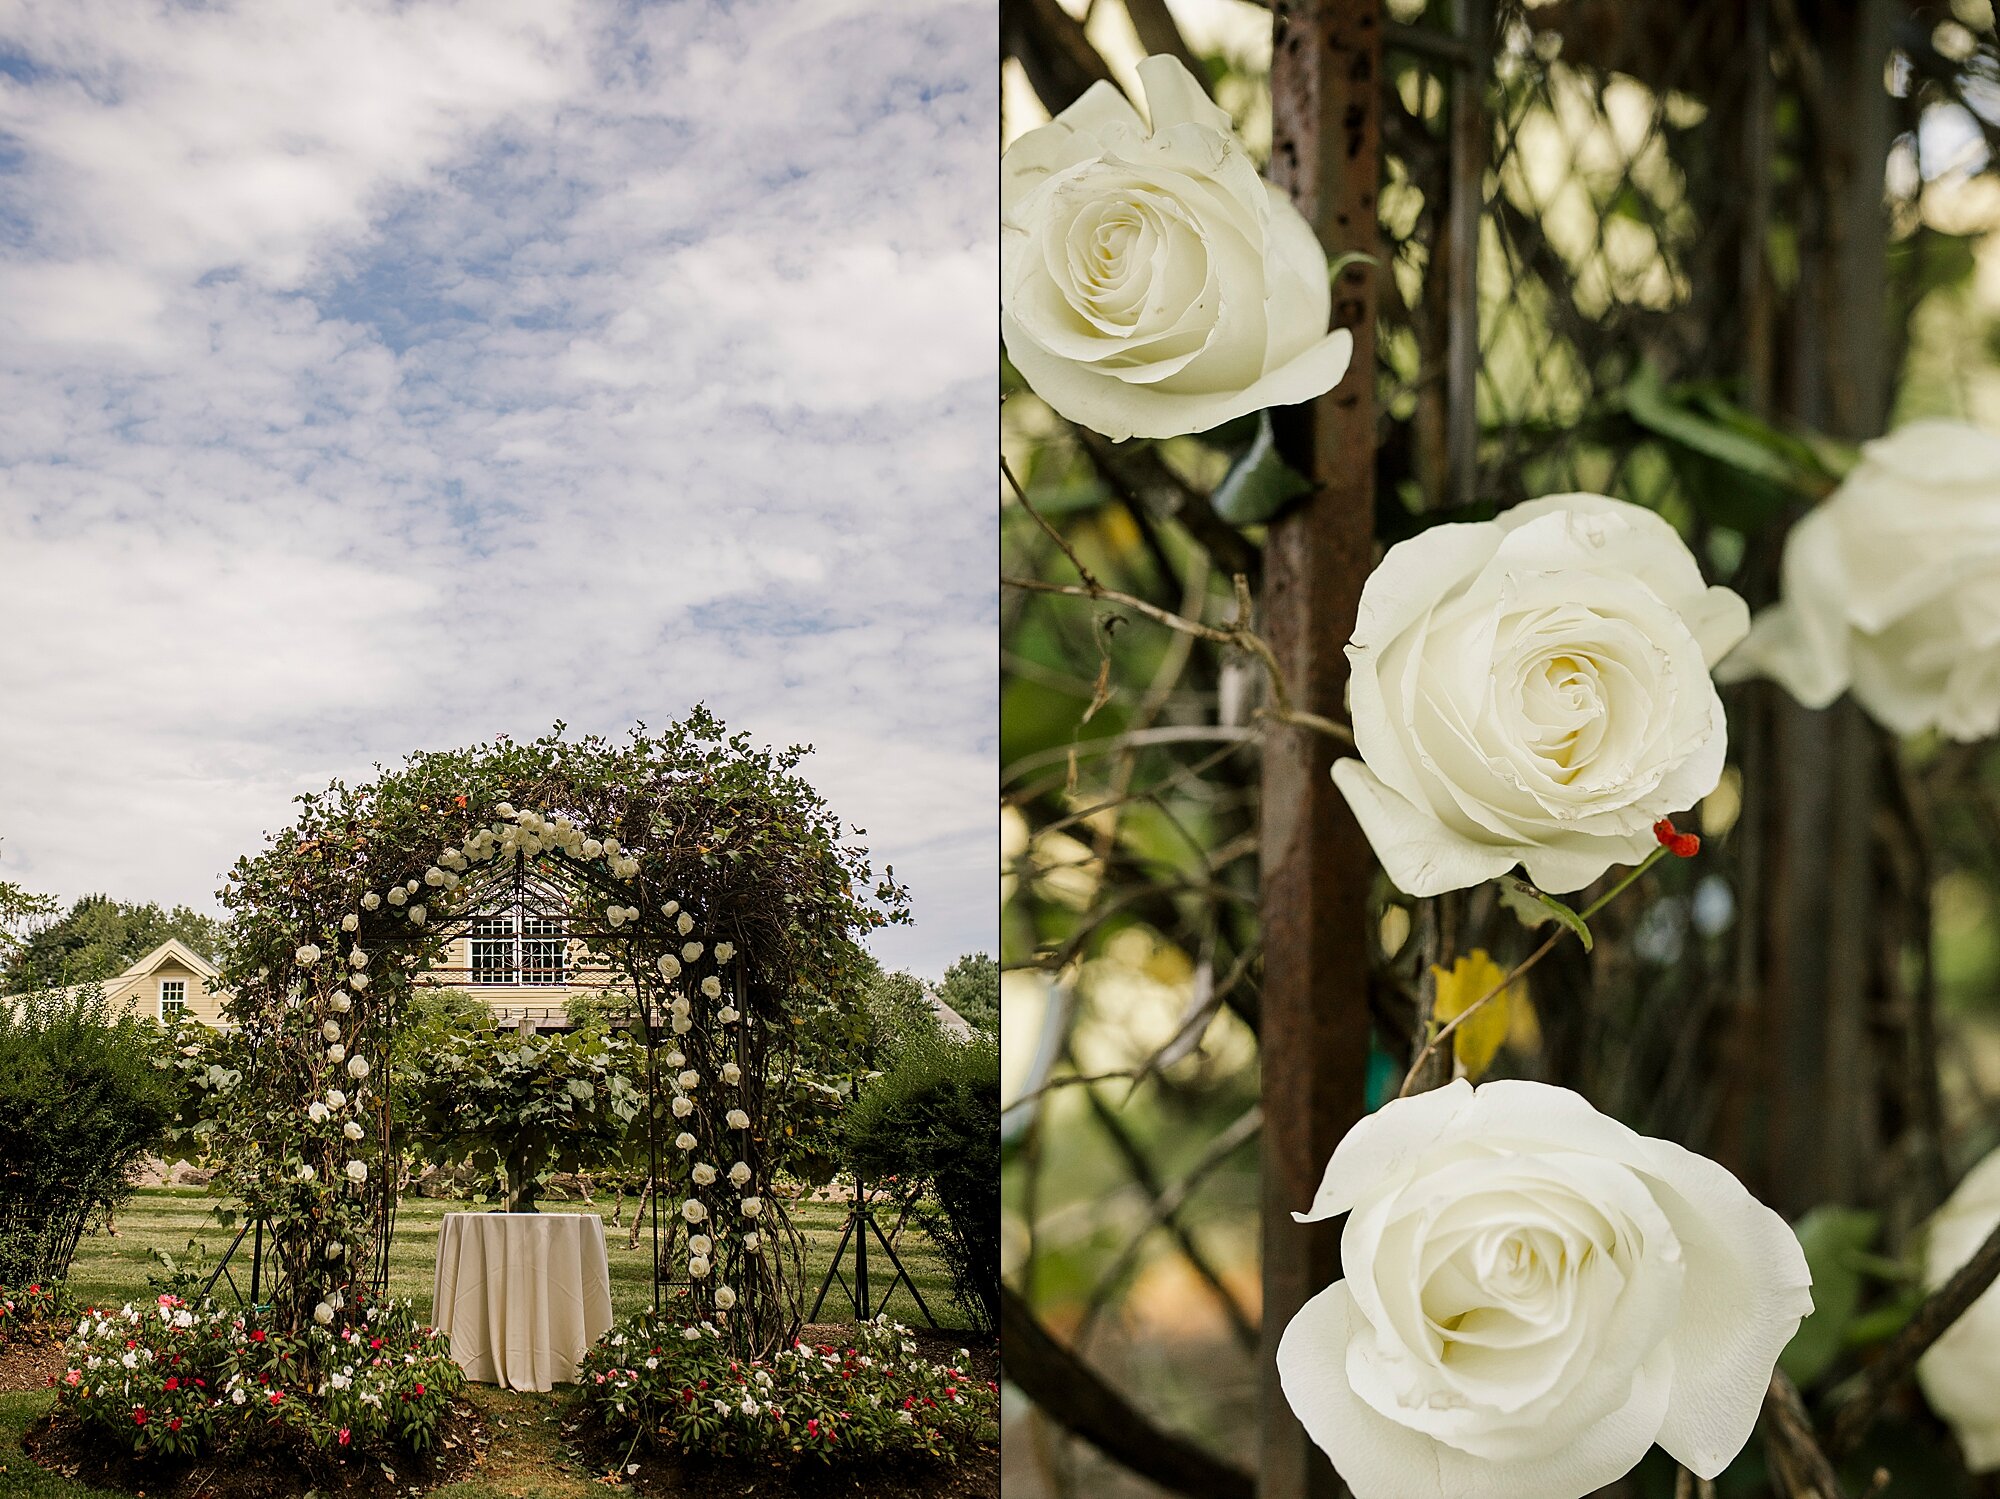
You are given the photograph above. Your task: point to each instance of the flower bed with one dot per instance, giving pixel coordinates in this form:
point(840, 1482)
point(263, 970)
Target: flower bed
point(35, 1313)
point(167, 1380)
point(670, 1388)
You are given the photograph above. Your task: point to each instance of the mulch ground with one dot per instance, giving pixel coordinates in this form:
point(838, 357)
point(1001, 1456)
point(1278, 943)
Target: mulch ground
point(29, 1366)
point(271, 1473)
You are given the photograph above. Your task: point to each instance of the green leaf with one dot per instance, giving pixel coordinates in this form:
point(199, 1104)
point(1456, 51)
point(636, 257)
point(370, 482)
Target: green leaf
point(1832, 1237)
point(1649, 404)
point(1260, 483)
point(1536, 908)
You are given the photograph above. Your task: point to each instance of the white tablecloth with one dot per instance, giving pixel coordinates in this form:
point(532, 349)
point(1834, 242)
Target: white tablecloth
point(522, 1295)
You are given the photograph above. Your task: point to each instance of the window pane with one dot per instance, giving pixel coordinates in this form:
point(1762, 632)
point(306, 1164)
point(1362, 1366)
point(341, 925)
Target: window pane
point(542, 950)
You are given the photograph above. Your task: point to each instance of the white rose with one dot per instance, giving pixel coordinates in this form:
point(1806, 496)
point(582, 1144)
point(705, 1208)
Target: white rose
point(670, 967)
point(676, 1059)
point(751, 1241)
point(357, 959)
point(398, 896)
point(1533, 690)
point(731, 1073)
point(417, 915)
point(690, 951)
point(693, 1211)
point(306, 956)
point(323, 1314)
point(335, 1250)
point(357, 982)
point(336, 1052)
point(724, 951)
point(357, 1171)
point(318, 1112)
point(307, 1174)
point(331, 1030)
point(689, 1079)
point(352, 1130)
point(1961, 1371)
point(682, 1107)
point(1891, 587)
point(737, 1119)
point(341, 1003)
point(728, 1015)
point(684, 1141)
point(592, 848)
point(752, 1206)
point(413, 885)
point(684, 924)
point(357, 1068)
point(682, 1025)
point(1150, 283)
point(697, 1265)
point(335, 1099)
point(434, 876)
point(700, 1244)
point(370, 901)
point(349, 922)
point(739, 1173)
point(1534, 1296)
point(712, 987)
point(505, 809)
point(704, 1174)
point(724, 1298)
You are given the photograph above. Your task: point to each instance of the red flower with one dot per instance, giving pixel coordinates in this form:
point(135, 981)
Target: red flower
point(374, 1342)
point(138, 1415)
point(276, 1396)
point(175, 1424)
point(343, 1436)
point(173, 1383)
point(420, 1389)
point(257, 1336)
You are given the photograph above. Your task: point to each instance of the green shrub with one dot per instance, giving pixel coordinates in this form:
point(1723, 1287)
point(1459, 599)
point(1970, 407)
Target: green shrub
point(81, 1103)
point(166, 1379)
point(36, 1313)
point(679, 1388)
point(934, 1117)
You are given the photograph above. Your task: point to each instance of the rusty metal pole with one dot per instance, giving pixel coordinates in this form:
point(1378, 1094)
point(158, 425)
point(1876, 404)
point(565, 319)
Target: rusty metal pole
point(1326, 152)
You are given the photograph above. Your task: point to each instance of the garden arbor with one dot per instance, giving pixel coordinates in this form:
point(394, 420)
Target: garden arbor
point(701, 876)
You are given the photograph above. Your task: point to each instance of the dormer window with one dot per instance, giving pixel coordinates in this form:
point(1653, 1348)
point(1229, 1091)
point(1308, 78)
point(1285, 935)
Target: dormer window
point(515, 947)
point(173, 997)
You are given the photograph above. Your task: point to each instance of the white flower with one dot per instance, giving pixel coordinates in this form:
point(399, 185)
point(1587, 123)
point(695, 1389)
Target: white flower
point(306, 956)
point(685, 924)
point(690, 951)
point(689, 1079)
point(236, 1397)
point(335, 1099)
point(398, 896)
point(349, 922)
point(682, 1106)
point(684, 1141)
point(626, 868)
point(724, 1298)
point(699, 1244)
point(341, 1003)
point(352, 1130)
point(670, 967)
point(330, 1030)
point(728, 1015)
point(676, 1059)
point(318, 1112)
point(671, 906)
point(1150, 283)
point(357, 959)
point(307, 1174)
point(691, 1334)
point(712, 987)
point(592, 848)
point(434, 876)
point(323, 1314)
point(505, 811)
point(370, 901)
point(731, 1073)
point(611, 846)
point(357, 982)
point(739, 1173)
point(335, 1250)
point(693, 1211)
point(1533, 690)
point(417, 915)
point(752, 1241)
point(737, 1119)
point(1961, 1372)
point(1534, 1296)
point(682, 1025)
point(357, 1068)
point(753, 1207)
point(1890, 588)
point(357, 1171)
point(724, 951)
point(413, 886)
point(336, 1052)
point(697, 1266)
point(704, 1174)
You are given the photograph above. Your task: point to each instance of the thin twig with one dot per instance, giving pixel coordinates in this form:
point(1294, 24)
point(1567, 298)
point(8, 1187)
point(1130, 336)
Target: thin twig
point(1944, 1306)
point(1803, 1466)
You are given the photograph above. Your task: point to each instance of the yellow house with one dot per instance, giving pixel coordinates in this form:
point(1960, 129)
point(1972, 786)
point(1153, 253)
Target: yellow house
point(517, 964)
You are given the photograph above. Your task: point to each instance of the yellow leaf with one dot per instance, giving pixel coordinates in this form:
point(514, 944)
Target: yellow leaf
point(1468, 980)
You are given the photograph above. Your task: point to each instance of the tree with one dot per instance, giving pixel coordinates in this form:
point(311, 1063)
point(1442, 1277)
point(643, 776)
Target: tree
point(972, 988)
point(95, 940)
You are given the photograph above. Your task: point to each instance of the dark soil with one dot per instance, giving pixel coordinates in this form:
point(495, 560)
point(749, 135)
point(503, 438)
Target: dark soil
point(273, 1472)
point(29, 1366)
point(976, 1474)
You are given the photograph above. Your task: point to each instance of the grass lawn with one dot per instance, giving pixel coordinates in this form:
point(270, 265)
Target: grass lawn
point(526, 1459)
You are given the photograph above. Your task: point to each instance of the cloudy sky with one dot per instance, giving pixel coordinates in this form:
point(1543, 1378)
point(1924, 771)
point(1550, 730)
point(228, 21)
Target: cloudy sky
point(377, 376)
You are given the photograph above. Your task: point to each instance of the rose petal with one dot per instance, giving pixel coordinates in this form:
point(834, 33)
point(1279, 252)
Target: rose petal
point(1420, 855)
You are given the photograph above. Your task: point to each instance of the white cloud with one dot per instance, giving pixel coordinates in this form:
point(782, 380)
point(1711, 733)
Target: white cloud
point(383, 376)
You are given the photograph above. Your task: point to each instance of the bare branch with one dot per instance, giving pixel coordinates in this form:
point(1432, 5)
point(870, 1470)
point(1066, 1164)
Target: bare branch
point(1801, 1466)
point(1076, 1397)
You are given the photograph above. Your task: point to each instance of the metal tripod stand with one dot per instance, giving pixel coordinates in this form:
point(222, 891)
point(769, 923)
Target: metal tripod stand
point(860, 1224)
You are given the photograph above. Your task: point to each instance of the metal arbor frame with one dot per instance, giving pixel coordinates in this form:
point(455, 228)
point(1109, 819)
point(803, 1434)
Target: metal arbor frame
point(560, 891)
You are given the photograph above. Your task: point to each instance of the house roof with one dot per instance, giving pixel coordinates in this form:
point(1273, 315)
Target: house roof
point(175, 949)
